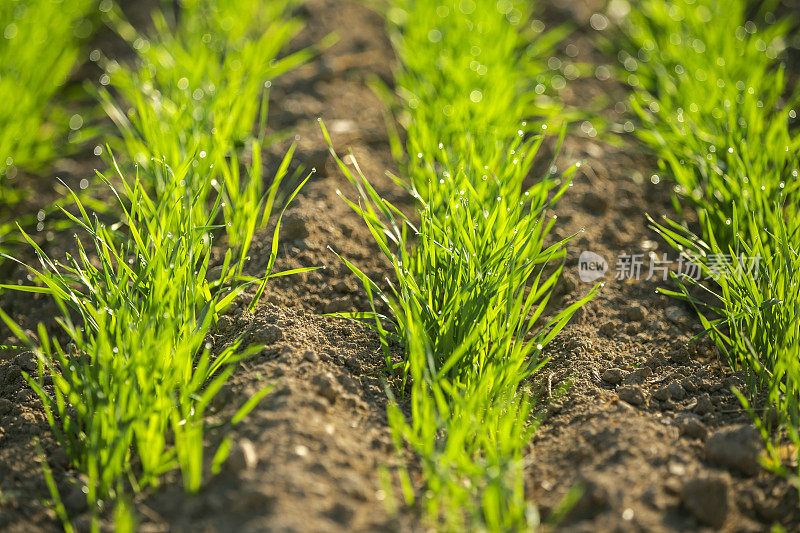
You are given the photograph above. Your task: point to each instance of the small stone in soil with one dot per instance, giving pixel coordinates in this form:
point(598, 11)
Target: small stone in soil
point(638, 376)
point(736, 448)
point(613, 375)
point(594, 203)
point(343, 126)
point(301, 451)
point(631, 394)
point(5, 406)
point(608, 329)
point(311, 356)
point(707, 498)
point(674, 314)
point(26, 361)
point(704, 404)
point(635, 313)
point(694, 428)
point(243, 456)
point(326, 386)
point(337, 305)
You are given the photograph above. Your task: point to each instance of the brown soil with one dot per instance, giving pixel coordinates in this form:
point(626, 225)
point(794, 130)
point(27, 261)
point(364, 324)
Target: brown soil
point(651, 453)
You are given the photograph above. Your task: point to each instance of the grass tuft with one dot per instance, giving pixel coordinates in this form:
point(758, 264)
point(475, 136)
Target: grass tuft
point(199, 91)
point(131, 388)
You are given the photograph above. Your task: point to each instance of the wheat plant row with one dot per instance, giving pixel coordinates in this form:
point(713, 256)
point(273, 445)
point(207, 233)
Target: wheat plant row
point(127, 381)
point(474, 267)
point(717, 107)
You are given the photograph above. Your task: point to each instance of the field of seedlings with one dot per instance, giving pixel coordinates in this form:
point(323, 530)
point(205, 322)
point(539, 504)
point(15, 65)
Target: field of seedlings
point(399, 265)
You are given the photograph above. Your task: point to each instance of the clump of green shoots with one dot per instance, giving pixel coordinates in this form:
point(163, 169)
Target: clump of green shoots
point(131, 389)
point(470, 282)
point(463, 67)
point(198, 90)
point(715, 105)
point(754, 318)
point(39, 47)
point(469, 308)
